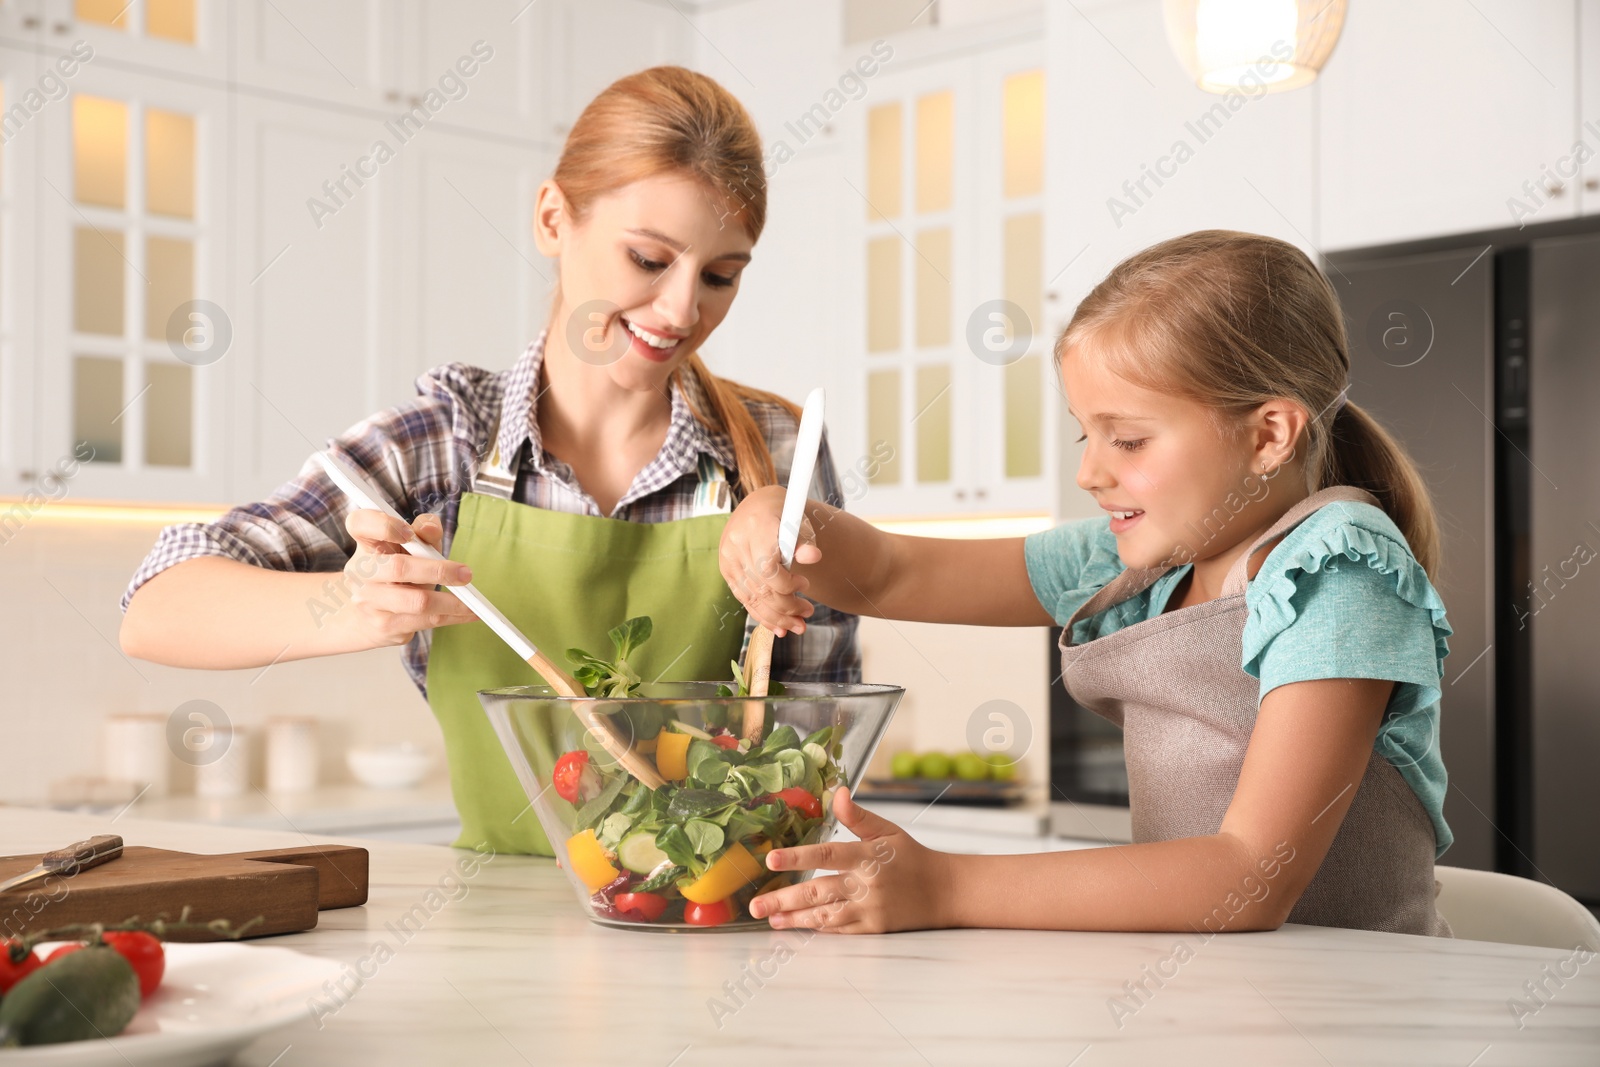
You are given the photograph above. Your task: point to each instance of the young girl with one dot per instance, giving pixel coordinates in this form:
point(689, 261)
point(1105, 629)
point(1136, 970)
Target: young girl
point(586, 485)
point(1255, 613)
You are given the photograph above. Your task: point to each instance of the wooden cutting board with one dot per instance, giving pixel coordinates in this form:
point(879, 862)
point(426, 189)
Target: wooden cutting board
point(287, 887)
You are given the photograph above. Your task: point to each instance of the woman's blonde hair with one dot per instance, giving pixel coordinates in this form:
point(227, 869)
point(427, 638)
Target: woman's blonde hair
point(1232, 320)
point(669, 120)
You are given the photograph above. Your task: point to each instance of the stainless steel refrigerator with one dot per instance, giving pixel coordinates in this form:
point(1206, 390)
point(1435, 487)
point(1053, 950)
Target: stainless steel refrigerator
point(1481, 353)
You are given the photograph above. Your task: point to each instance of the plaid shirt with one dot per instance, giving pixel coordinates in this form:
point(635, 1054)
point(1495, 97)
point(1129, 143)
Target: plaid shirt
point(425, 453)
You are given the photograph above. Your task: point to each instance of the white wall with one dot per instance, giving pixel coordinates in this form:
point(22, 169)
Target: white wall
point(64, 673)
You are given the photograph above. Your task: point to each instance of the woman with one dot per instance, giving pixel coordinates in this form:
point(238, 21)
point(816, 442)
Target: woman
point(588, 484)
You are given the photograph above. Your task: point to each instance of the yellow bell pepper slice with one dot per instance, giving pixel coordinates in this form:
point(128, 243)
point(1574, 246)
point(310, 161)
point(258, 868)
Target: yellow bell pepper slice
point(590, 861)
point(736, 868)
point(672, 755)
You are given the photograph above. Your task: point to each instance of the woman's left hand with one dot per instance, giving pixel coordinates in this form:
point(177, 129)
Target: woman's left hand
point(886, 881)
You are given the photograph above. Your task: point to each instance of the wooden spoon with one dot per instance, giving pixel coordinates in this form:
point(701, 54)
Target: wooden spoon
point(758, 657)
point(363, 494)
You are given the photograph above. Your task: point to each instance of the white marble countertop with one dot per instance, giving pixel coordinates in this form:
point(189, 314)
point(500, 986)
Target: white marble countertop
point(360, 811)
point(506, 970)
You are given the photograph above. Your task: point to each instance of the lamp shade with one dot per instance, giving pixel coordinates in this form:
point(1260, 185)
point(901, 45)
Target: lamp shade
point(1252, 44)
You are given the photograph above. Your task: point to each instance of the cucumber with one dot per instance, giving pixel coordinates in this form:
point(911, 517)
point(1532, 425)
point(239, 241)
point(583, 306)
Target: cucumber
point(89, 993)
point(638, 853)
point(693, 731)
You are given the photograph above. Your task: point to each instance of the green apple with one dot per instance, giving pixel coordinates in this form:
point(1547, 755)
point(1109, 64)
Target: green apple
point(904, 765)
point(1001, 767)
point(933, 765)
point(971, 767)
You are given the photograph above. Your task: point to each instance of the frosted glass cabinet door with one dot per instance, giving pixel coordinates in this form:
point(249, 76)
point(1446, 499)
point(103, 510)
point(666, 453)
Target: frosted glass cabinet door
point(187, 38)
point(129, 187)
point(949, 164)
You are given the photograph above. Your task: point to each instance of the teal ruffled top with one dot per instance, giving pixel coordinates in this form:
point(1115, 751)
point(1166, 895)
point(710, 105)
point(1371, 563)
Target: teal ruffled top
point(1345, 562)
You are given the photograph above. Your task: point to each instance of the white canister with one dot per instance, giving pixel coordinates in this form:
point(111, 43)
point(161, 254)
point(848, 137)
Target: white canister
point(291, 754)
point(136, 751)
point(228, 773)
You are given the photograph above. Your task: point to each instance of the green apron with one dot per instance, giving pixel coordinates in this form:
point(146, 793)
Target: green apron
point(565, 580)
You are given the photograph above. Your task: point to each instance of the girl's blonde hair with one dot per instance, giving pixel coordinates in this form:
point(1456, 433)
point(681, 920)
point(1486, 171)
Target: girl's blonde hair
point(1232, 320)
point(669, 120)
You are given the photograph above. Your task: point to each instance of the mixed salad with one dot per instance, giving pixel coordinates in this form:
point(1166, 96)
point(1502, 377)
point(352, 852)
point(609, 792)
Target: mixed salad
point(691, 851)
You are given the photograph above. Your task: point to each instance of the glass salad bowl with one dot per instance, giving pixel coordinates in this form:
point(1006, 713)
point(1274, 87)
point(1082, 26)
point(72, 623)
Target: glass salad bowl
point(686, 854)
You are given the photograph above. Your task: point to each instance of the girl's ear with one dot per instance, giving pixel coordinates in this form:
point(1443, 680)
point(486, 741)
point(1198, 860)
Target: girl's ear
point(550, 218)
point(1280, 425)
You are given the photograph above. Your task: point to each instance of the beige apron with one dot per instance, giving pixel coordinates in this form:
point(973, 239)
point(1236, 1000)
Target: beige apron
point(1187, 708)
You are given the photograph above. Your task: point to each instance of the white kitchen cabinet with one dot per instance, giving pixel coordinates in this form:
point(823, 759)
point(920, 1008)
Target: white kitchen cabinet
point(341, 56)
point(473, 288)
point(1439, 117)
point(186, 38)
point(312, 318)
point(431, 261)
point(946, 214)
point(588, 44)
point(483, 59)
point(1589, 104)
point(130, 200)
point(347, 248)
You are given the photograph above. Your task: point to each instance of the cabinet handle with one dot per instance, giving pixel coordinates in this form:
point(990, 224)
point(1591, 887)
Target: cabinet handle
point(1593, 185)
point(62, 27)
point(1555, 189)
point(981, 494)
point(26, 476)
point(393, 96)
point(31, 22)
point(961, 494)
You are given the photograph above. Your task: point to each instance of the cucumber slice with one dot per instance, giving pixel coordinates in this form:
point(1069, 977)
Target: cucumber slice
point(692, 731)
point(638, 853)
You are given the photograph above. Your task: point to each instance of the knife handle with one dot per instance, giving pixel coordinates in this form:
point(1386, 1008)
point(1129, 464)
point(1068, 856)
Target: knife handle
point(81, 855)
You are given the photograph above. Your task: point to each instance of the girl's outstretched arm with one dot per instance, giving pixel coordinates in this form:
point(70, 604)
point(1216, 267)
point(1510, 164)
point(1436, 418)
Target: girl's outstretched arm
point(848, 564)
point(1306, 759)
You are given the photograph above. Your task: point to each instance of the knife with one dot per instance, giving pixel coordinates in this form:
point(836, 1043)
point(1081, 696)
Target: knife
point(78, 856)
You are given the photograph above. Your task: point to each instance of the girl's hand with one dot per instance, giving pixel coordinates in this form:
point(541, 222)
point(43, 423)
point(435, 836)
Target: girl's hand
point(391, 591)
point(886, 881)
point(754, 570)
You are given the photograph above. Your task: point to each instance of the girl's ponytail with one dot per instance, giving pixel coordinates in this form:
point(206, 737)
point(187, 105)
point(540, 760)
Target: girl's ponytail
point(1363, 454)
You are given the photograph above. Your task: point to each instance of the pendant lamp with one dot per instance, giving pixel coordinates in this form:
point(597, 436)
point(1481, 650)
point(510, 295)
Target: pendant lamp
point(1248, 45)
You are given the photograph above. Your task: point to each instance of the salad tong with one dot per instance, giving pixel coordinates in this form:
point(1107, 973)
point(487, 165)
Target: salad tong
point(363, 494)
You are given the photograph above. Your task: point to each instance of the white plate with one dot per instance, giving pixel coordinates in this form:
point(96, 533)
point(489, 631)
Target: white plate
point(213, 1001)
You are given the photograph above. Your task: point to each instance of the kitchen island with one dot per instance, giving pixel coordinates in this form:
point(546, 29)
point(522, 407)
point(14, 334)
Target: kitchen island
point(501, 967)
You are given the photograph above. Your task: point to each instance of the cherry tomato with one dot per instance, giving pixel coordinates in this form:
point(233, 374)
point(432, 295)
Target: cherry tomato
point(12, 973)
point(648, 906)
point(144, 953)
point(725, 741)
point(568, 774)
point(63, 950)
point(807, 804)
point(713, 914)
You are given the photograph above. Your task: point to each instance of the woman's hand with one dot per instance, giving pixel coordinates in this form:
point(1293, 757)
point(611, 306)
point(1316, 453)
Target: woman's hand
point(753, 568)
point(886, 881)
point(392, 593)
